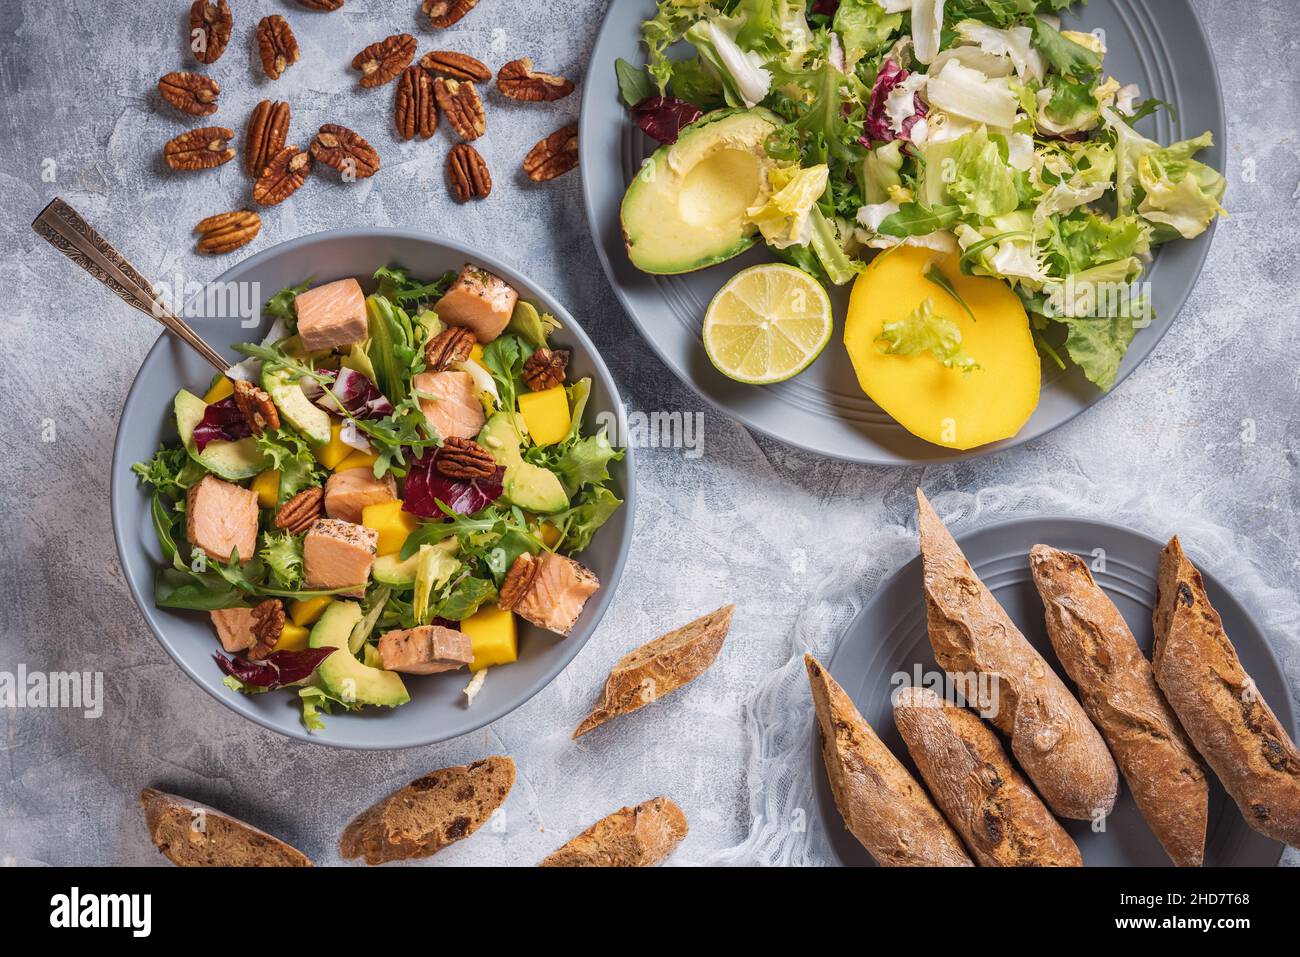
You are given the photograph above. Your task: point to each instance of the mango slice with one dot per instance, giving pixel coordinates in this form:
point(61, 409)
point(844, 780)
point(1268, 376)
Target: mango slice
point(493, 637)
point(547, 414)
point(392, 524)
point(336, 451)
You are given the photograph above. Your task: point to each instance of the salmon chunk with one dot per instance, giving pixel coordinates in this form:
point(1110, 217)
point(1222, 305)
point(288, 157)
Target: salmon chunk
point(221, 518)
point(349, 491)
point(425, 650)
point(234, 628)
point(454, 411)
point(332, 315)
point(548, 590)
point(336, 554)
point(479, 301)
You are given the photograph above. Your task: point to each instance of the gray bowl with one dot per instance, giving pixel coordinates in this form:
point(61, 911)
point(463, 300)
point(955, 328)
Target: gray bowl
point(436, 711)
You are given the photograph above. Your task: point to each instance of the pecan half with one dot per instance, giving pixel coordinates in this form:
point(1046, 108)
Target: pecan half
point(210, 25)
point(414, 112)
point(553, 156)
point(267, 129)
point(443, 13)
point(453, 344)
point(464, 459)
point(268, 622)
point(459, 101)
point(545, 369)
point(467, 173)
point(300, 512)
point(226, 232)
point(380, 62)
point(519, 81)
point(517, 581)
point(325, 6)
point(346, 151)
point(256, 407)
point(204, 148)
point(276, 45)
point(281, 177)
point(458, 66)
point(190, 93)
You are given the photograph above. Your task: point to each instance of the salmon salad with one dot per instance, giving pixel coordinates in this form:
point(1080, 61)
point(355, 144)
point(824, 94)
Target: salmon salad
point(386, 487)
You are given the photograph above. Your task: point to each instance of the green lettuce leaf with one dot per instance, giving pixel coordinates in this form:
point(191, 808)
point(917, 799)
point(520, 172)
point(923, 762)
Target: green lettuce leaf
point(593, 509)
point(283, 557)
point(1065, 56)
point(290, 453)
point(864, 28)
point(924, 331)
point(586, 462)
point(982, 182)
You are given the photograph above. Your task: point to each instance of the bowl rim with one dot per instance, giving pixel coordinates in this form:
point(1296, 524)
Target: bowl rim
point(570, 647)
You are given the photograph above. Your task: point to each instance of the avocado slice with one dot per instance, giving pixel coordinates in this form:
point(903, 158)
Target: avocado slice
point(341, 673)
point(502, 438)
point(296, 409)
point(232, 461)
point(687, 207)
point(529, 486)
point(391, 570)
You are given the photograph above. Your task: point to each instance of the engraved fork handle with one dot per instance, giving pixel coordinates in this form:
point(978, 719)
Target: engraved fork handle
point(63, 228)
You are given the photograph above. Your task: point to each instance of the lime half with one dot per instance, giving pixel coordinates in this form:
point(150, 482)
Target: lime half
point(767, 324)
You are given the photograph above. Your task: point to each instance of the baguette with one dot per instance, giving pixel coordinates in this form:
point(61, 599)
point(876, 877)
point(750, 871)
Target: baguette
point(1220, 707)
point(882, 804)
point(640, 836)
point(1051, 737)
point(190, 834)
point(994, 809)
point(1118, 690)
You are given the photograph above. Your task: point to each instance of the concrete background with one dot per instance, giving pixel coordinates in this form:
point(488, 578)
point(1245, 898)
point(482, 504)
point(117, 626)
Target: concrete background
point(80, 118)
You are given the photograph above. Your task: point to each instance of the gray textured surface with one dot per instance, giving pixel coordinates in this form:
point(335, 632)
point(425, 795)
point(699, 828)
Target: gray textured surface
point(741, 523)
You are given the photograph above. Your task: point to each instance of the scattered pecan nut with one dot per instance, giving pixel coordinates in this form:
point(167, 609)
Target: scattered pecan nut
point(268, 127)
point(519, 81)
point(458, 66)
point(468, 174)
point(443, 13)
point(276, 45)
point(453, 344)
point(414, 112)
point(545, 369)
point(553, 156)
point(517, 582)
point(380, 62)
point(325, 6)
point(191, 93)
point(268, 623)
point(465, 460)
point(281, 177)
point(210, 26)
point(204, 148)
point(346, 151)
point(255, 406)
point(226, 232)
point(459, 101)
point(300, 512)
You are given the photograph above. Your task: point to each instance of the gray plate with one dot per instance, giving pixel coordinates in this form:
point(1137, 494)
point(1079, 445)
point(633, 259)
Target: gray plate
point(1158, 44)
point(889, 636)
point(436, 711)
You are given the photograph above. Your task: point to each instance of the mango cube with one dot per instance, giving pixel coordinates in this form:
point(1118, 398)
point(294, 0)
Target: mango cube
point(392, 524)
point(476, 353)
point(550, 534)
point(546, 414)
point(292, 638)
point(336, 451)
point(222, 388)
point(493, 637)
point(267, 487)
point(305, 611)
point(357, 460)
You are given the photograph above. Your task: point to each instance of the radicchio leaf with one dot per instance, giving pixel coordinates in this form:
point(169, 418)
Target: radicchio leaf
point(277, 669)
point(355, 392)
point(826, 8)
point(426, 486)
point(663, 117)
point(221, 420)
point(877, 125)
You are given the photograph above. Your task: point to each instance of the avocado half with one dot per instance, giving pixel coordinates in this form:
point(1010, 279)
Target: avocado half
point(686, 208)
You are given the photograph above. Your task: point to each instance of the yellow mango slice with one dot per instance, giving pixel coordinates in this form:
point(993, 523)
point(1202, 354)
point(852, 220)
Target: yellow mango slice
point(221, 389)
point(476, 353)
point(305, 611)
point(550, 534)
point(356, 460)
point(392, 524)
point(937, 404)
point(267, 487)
point(493, 637)
point(546, 414)
point(335, 452)
point(292, 638)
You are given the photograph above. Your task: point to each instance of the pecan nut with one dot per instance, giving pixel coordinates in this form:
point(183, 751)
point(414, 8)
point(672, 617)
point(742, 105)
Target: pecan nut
point(465, 460)
point(458, 66)
point(204, 148)
point(226, 232)
point(300, 512)
point(281, 177)
point(268, 127)
point(459, 101)
point(276, 45)
point(517, 581)
point(553, 156)
point(468, 174)
point(519, 81)
point(210, 25)
point(414, 112)
point(545, 369)
point(325, 6)
point(255, 406)
point(346, 151)
point(453, 344)
point(191, 93)
point(380, 62)
point(443, 13)
point(268, 623)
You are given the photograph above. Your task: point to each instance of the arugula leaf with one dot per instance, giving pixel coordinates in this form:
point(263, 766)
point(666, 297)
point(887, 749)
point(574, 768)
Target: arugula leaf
point(465, 597)
point(923, 331)
point(281, 306)
point(634, 83)
point(396, 284)
point(1149, 107)
point(579, 523)
point(505, 357)
point(913, 219)
point(935, 275)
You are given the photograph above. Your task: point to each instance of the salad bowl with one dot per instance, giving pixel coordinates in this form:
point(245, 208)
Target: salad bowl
point(437, 709)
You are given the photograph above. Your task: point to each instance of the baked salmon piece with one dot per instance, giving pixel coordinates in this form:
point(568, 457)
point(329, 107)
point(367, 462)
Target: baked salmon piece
point(479, 301)
point(221, 518)
point(332, 315)
point(425, 650)
point(234, 628)
point(337, 554)
point(454, 411)
point(349, 491)
point(548, 590)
